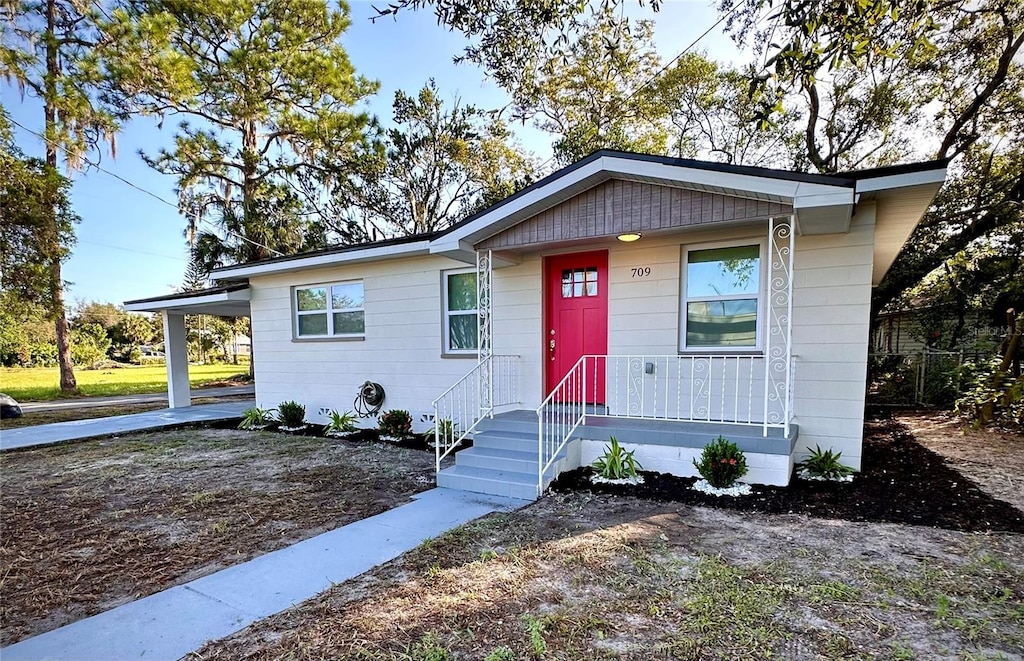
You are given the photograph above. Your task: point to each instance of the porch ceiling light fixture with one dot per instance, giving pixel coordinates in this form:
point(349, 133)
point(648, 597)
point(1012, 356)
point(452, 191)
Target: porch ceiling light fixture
point(629, 237)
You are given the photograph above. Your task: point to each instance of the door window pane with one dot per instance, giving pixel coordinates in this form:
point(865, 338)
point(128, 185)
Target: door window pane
point(577, 283)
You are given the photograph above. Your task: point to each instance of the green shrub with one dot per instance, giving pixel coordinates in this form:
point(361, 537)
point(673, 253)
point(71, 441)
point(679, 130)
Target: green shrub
point(291, 414)
point(341, 423)
point(396, 423)
point(444, 431)
point(616, 463)
point(256, 417)
point(721, 463)
point(991, 396)
point(825, 465)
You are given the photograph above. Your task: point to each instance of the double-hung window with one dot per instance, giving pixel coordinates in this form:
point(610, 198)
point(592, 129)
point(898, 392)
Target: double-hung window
point(461, 322)
point(330, 310)
point(722, 298)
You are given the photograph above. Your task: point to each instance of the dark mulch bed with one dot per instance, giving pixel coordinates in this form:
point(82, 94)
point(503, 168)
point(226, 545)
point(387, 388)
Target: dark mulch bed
point(411, 442)
point(901, 482)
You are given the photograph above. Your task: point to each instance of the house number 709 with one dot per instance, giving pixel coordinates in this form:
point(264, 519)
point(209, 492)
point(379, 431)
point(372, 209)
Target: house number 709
point(641, 271)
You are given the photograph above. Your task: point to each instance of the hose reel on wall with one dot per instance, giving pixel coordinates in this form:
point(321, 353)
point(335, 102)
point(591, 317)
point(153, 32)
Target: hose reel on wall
point(369, 399)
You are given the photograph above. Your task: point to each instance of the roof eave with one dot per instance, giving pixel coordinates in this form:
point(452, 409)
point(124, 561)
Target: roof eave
point(370, 253)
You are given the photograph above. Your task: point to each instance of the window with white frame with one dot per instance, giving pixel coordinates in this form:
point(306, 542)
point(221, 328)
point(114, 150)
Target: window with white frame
point(461, 322)
point(721, 298)
point(330, 310)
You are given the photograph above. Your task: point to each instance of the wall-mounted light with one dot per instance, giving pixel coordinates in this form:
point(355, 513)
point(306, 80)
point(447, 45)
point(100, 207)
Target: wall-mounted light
point(629, 237)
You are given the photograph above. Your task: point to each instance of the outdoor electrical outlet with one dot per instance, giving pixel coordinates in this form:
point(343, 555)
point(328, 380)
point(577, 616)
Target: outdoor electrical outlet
point(648, 368)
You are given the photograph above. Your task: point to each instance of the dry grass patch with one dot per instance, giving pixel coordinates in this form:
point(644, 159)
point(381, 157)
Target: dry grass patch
point(599, 577)
point(91, 525)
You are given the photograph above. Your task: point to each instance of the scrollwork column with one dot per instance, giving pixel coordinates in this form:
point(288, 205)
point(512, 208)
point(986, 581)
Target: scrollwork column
point(484, 330)
point(778, 354)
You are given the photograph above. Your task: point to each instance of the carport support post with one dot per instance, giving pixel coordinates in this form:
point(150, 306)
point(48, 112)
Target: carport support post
point(176, 353)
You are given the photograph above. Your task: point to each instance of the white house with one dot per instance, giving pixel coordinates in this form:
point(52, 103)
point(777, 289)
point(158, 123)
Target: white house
point(663, 301)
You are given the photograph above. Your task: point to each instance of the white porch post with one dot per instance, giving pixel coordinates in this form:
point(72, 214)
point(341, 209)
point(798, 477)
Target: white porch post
point(778, 352)
point(176, 354)
point(484, 329)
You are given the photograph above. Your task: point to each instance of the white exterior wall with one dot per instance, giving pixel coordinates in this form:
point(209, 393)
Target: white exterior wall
point(831, 327)
point(402, 349)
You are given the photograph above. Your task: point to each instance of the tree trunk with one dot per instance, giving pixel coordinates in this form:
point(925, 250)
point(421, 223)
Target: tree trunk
point(68, 384)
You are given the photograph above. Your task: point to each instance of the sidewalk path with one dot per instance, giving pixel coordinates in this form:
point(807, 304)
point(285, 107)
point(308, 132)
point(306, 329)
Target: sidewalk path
point(120, 400)
point(170, 624)
point(76, 430)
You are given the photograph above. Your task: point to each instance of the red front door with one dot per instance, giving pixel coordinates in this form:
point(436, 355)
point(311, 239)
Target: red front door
point(576, 291)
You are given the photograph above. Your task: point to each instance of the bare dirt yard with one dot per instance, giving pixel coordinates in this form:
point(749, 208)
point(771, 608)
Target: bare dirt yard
point(88, 526)
point(592, 574)
point(993, 458)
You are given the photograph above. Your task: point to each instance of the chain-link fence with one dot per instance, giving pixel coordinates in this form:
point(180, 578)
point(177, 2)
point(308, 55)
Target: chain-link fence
point(913, 378)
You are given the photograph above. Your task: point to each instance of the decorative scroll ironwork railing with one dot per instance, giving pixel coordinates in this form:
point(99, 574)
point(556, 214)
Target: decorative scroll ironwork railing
point(493, 382)
point(726, 388)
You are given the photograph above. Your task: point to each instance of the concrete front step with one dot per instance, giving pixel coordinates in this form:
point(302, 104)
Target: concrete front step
point(502, 440)
point(502, 459)
point(489, 481)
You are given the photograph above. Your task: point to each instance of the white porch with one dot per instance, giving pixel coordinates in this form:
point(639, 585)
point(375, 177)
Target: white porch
point(680, 401)
point(227, 301)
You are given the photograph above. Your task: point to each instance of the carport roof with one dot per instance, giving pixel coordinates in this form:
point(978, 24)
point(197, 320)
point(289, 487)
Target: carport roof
point(230, 300)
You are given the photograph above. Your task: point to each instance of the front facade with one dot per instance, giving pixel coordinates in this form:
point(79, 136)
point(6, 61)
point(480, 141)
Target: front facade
point(658, 300)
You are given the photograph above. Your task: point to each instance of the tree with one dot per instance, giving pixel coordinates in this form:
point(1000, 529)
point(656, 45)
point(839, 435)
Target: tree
point(36, 227)
point(89, 345)
point(49, 51)
point(264, 89)
point(434, 167)
point(27, 333)
point(591, 97)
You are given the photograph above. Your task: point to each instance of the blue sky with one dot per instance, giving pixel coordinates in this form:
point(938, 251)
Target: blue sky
point(131, 246)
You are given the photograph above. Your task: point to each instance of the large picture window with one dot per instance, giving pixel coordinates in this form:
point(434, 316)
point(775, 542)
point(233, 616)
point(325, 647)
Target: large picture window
point(722, 298)
point(330, 310)
point(461, 322)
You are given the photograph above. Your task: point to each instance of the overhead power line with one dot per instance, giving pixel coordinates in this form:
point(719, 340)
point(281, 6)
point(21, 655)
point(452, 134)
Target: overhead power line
point(143, 190)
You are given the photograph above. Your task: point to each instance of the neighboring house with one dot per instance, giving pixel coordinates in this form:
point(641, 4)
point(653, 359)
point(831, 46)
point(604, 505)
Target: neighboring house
point(662, 301)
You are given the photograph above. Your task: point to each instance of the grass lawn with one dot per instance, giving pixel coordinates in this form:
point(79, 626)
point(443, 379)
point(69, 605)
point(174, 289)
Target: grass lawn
point(88, 526)
point(43, 383)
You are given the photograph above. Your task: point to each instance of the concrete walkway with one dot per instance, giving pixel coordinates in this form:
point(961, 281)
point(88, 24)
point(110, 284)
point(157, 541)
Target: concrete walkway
point(121, 400)
point(170, 624)
point(76, 430)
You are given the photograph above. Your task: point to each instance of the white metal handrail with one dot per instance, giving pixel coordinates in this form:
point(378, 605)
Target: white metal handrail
point(492, 382)
point(558, 416)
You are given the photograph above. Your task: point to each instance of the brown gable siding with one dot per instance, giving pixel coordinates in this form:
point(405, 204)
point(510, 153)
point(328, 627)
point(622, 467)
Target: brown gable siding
point(619, 206)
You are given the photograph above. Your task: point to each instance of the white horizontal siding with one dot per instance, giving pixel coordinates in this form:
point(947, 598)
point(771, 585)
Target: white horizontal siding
point(831, 321)
point(401, 350)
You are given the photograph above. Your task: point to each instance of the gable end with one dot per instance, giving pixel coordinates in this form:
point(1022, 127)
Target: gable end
point(620, 206)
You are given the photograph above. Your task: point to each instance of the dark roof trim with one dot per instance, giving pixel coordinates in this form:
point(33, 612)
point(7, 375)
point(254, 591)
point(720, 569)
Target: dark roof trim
point(892, 170)
point(332, 251)
point(223, 289)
